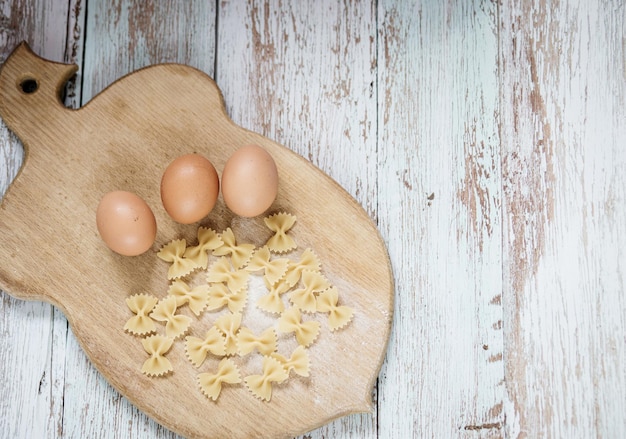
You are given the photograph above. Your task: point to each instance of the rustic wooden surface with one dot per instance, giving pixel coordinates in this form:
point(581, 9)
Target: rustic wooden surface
point(484, 138)
point(123, 140)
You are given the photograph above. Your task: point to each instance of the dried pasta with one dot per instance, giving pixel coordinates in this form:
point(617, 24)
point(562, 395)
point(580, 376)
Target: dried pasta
point(265, 343)
point(173, 252)
point(229, 325)
point(308, 262)
point(280, 223)
point(291, 321)
point(272, 302)
point(157, 346)
point(175, 324)
point(226, 289)
point(261, 385)
point(220, 296)
point(141, 305)
point(338, 316)
point(198, 348)
point(208, 240)
point(211, 383)
point(313, 282)
point(239, 254)
point(298, 362)
point(220, 271)
point(273, 270)
point(197, 297)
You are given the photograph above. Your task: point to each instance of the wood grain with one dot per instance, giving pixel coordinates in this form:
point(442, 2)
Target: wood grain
point(122, 39)
point(439, 210)
point(562, 125)
point(124, 138)
point(303, 73)
point(485, 138)
point(33, 340)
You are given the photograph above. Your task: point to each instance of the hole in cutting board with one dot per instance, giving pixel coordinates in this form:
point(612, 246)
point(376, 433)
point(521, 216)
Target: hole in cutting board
point(29, 85)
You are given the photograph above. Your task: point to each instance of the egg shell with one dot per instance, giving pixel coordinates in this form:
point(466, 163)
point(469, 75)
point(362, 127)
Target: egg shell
point(126, 223)
point(189, 188)
point(250, 181)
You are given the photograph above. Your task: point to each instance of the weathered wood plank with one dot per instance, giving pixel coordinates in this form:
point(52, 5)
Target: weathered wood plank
point(121, 38)
point(32, 366)
point(304, 74)
point(426, 165)
point(563, 93)
point(439, 211)
point(125, 36)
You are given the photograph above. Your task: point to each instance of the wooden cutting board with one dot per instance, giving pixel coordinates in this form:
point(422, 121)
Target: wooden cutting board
point(123, 140)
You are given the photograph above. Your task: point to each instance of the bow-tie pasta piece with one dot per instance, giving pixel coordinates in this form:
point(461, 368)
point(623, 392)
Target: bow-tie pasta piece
point(157, 346)
point(173, 252)
point(197, 348)
point(175, 325)
point(211, 383)
point(338, 316)
point(197, 297)
point(220, 271)
point(261, 385)
point(291, 321)
point(208, 240)
point(229, 324)
point(280, 224)
point(272, 302)
point(141, 305)
point(220, 296)
point(239, 254)
point(313, 282)
point(265, 343)
point(273, 269)
point(308, 262)
point(298, 362)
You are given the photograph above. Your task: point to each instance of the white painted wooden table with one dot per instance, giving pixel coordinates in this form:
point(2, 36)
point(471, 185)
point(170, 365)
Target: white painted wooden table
point(486, 139)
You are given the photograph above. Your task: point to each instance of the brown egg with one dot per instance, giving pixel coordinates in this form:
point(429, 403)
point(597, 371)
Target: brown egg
point(250, 181)
point(125, 223)
point(189, 188)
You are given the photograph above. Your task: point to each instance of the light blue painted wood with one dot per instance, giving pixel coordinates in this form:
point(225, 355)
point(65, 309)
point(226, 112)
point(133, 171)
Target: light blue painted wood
point(486, 141)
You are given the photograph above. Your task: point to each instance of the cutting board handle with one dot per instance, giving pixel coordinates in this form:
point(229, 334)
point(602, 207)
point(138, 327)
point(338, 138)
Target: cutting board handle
point(31, 91)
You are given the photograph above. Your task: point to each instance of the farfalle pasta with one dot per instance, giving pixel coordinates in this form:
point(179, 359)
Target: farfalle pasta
point(291, 321)
point(175, 324)
point(220, 296)
point(141, 305)
point(273, 269)
point(338, 316)
point(272, 302)
point(261, 385)
point(280, 223)
point(226, 291)
point(308, 262)
point(298, 362)
point(197, 297)
point(221, 271)
point(157, 346)
point(211, 383)
point(173, 252)
point(239, 254)
point(229, 325)
point(198, 348)
point(313, 282)
point(265, 343)
point(208, 240)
